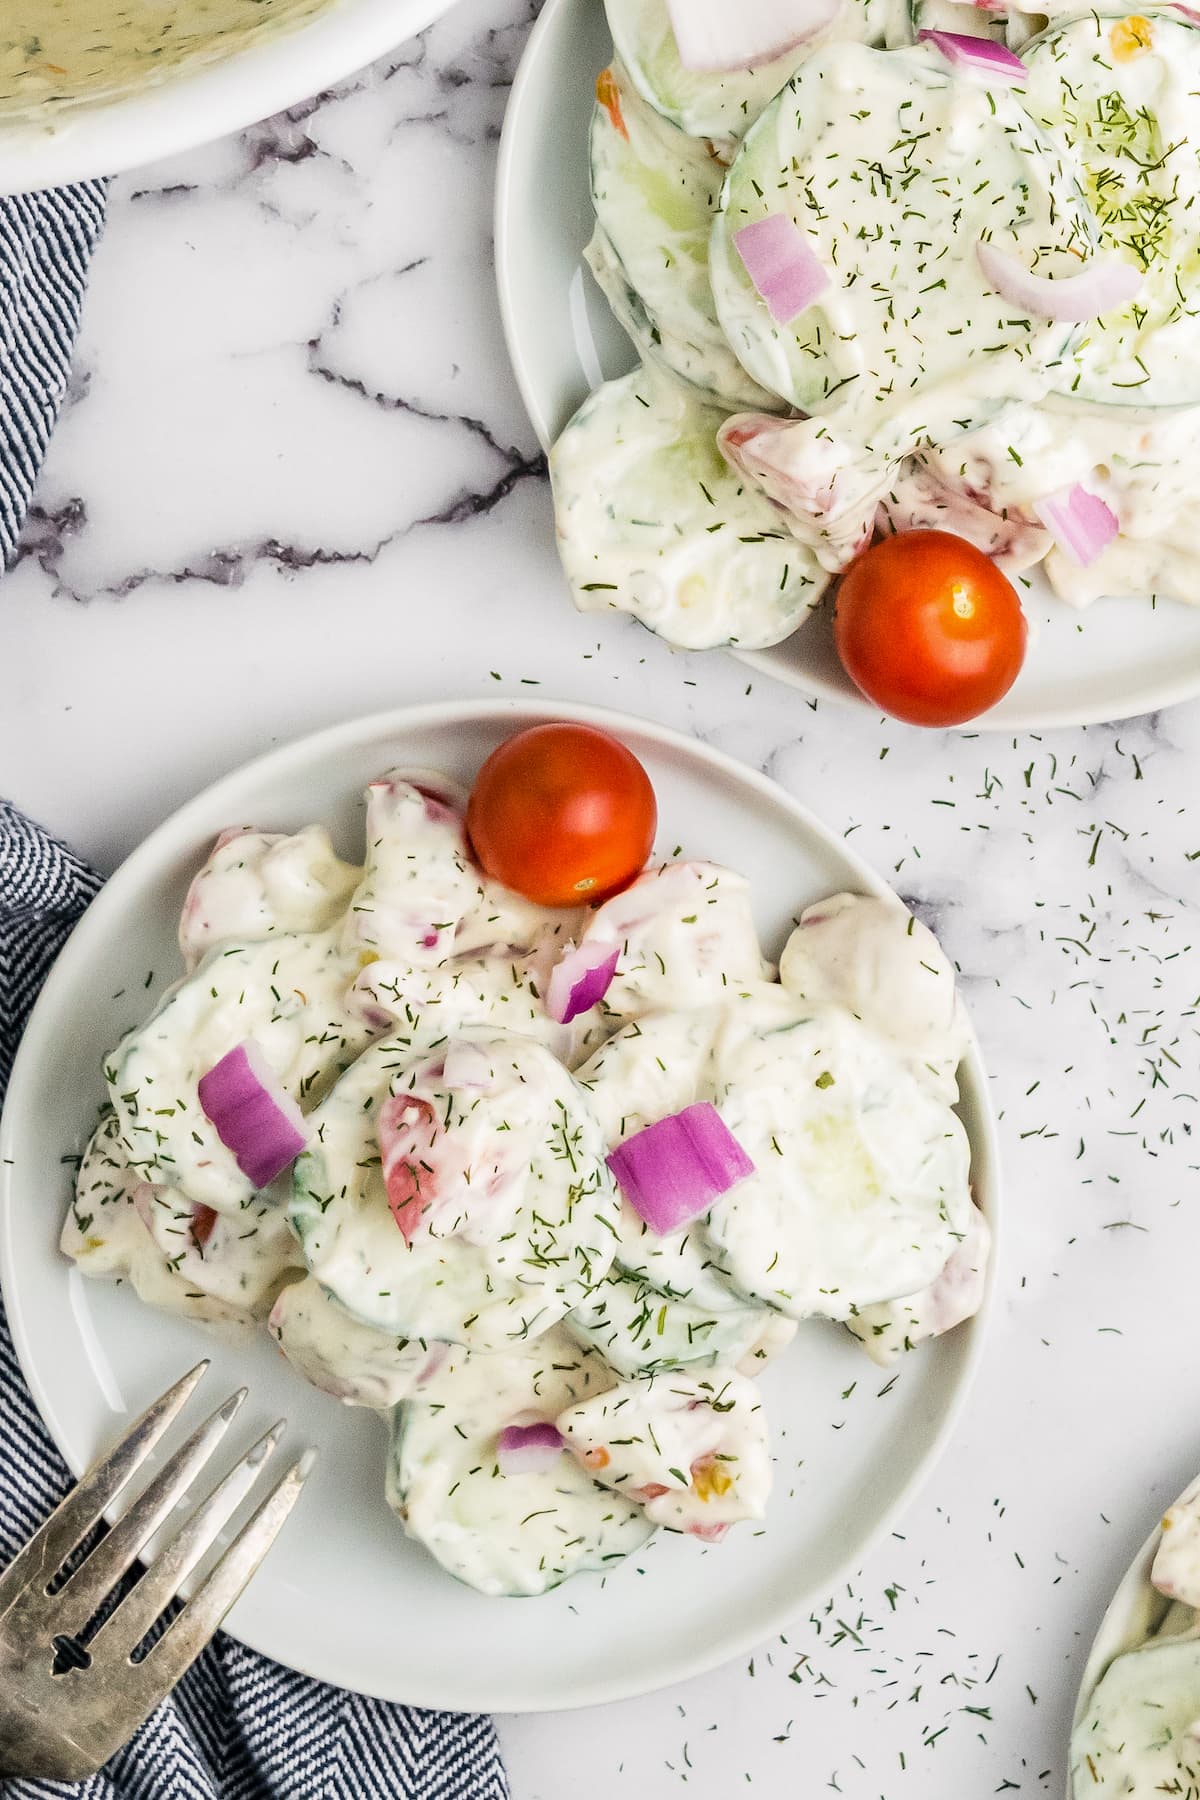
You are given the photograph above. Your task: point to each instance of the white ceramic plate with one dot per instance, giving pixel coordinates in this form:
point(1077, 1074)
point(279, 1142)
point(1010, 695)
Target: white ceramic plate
point(1119, 658)
point(344, 1595)
point(1135, 1611)
point(204, 101)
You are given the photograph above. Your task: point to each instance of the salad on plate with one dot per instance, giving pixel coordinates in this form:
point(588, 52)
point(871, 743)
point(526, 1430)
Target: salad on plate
point(515, 1138)
point(891, 270)
point(1137, 1733)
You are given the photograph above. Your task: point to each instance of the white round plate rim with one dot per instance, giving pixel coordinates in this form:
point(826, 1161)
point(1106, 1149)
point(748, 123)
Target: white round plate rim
point(1012, 713)
point(123, 131)
point(155, 853)
point(1120, 1629)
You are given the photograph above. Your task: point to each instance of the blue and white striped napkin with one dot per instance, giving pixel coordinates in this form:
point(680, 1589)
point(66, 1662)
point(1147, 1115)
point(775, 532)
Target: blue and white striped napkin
point(46, 243)
point(237, 1727)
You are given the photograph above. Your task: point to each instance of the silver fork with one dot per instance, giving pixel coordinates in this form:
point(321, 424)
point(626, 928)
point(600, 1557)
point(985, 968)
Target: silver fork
point(71, 1689)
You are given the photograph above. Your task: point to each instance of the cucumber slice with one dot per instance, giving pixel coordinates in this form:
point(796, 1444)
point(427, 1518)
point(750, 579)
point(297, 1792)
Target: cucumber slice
point(507, 1534)
point(954, 15)
point(724, 105)
point(1124, 91)
point(652, 521)
point(523, 1214)
point(893, 167)
point(347, 1359)
point(288, 993)
point(656, 193)
point(1136, 1738)
point(640, 1330)
point(118, 1228)
point(860, 1188)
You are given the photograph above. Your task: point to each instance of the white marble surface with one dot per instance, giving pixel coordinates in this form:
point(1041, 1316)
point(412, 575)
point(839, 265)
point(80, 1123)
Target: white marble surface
point(294, 482)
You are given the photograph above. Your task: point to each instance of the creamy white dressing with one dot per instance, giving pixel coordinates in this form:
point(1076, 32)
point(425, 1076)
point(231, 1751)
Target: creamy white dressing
point(451, 1243)
point(909, 341)
point(507, 1533)
point(55, 52)
point(722, 105)
point(287, 993)
point(652, 521)
point(691, 1449)
point(875, 959)
point(345, 1358)
point(1136, 1739)
point(656, 192)
point(939, 403)
point(1124, 91)
point(640, 1328)
point(120, 1227)
point(861, 1172)
point(1140, 1734)
point(687, 935)
point(259, 884)
point(519, 1214)
point(1176, 1570)
point(888, 1330)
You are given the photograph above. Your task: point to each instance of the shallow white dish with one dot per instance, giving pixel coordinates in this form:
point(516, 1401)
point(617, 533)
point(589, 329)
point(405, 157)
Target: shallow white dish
point(1134, 1612)
point(199, 103)
point(1119, 658)
point(344, 1595)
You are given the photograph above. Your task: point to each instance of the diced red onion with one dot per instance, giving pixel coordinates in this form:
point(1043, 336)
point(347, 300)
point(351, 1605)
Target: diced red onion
point(528, 1449)
point(467, 1070)
point(743, 34)
point(1102, 284)
point(671, 1172)
point(1082, 524)
point(252, 1115)
point(782, 265)
point(1188, 12)
point(580, 979)
point(980, 54)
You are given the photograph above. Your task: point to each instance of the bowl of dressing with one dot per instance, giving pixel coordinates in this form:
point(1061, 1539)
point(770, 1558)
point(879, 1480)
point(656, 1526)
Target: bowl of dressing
point(93, 87)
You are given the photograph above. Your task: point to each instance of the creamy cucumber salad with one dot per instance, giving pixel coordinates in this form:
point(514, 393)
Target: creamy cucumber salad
point(546, 1188)
point(928, 265)
point(56, 53)
point(1138, 1735)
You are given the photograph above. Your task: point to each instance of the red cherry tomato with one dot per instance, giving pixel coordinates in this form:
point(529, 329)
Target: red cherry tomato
point(203, 1220)
point(928, 627)
point(562, 814)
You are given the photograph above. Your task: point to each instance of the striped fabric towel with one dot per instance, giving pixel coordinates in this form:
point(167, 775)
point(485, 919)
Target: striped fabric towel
point(46, 243)
point(237, 1727)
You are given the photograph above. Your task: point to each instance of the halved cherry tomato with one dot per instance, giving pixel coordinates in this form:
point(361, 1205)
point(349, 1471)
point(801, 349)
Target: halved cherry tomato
point(928, 627)
point(563, 814)
point(203, 1220)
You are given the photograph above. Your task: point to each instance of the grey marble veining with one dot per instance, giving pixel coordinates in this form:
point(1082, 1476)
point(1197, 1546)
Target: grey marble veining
point(295, 482)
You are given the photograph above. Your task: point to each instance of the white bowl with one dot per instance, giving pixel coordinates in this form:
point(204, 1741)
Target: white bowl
point(199, 102)
point(344, 1595)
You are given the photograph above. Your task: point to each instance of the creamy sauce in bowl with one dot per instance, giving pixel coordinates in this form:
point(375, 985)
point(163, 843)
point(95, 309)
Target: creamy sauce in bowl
point(57, 53)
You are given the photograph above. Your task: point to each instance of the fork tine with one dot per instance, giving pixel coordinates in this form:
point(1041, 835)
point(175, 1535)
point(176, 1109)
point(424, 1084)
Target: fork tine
point(48, 1549)
point(124, 1630)
point(192, 1628)
point(99, 1574)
